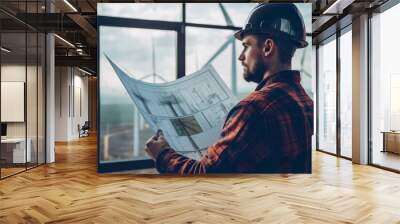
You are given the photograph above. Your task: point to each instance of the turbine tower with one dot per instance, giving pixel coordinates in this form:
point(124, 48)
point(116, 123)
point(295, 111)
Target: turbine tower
point(153, 75)
point(229, 42)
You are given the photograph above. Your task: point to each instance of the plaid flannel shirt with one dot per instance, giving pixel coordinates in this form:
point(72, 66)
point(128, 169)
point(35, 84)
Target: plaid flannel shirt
point(267, 132)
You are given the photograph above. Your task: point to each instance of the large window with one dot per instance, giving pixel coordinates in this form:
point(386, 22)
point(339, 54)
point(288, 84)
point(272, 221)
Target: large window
point(165, 46)
point(346, 93)
point(335, 73)
point(385, 87)
point(13, 84)
point(22, 77)
point(165, 12)
point(327, 96)
point(121, 125)
point(233, 14)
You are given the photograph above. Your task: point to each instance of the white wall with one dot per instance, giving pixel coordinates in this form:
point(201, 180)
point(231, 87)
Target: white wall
point(33, 126)
point(12, 73)
point(61, 103)
point(9, 73)
point(80, 105)
point(71, 102)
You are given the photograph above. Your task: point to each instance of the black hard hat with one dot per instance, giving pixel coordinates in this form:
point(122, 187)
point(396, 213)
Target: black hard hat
point(282, 20)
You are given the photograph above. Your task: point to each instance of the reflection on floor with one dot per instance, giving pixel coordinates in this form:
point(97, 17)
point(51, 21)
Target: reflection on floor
point(346, 152)
point(10, 169)
point(386, 159)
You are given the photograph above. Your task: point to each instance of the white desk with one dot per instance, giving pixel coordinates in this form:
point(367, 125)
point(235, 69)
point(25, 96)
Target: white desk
point(19, 149)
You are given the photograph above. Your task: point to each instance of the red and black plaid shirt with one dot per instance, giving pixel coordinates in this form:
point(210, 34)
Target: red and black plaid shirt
point(267, 132)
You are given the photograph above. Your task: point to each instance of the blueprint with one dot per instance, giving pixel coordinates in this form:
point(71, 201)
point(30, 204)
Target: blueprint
point(191, 110)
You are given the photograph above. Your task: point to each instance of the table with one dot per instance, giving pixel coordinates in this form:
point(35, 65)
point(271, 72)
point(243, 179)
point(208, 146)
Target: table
point(391, 141)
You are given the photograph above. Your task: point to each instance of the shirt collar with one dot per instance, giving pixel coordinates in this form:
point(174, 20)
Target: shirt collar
point(282, 76)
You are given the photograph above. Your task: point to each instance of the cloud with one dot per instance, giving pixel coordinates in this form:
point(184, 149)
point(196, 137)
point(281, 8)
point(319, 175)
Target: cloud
point(152, 11)
point(132, 47)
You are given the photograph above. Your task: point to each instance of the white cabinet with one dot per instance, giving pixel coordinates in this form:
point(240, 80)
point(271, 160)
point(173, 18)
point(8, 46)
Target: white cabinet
point(391, 142)
point(18, 153)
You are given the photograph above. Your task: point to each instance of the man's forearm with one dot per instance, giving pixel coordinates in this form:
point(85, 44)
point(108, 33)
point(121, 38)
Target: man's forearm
point(169, 161)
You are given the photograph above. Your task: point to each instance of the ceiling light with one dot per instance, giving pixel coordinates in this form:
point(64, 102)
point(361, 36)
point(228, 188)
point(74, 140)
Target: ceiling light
point(84, 71)
point(80, 51)
point(5, 50)
point(337, 7)
point(70, 5)
point(64, 40)
point(329, 9)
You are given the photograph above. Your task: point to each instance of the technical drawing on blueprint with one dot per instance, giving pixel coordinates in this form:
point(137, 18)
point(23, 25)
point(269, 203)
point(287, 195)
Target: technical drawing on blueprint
point(191, 110)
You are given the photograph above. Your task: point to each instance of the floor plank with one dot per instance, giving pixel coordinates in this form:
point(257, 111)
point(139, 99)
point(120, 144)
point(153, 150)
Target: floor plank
point(70, 191)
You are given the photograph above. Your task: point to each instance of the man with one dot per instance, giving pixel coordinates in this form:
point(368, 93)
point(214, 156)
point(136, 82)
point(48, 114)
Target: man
point(270, 130)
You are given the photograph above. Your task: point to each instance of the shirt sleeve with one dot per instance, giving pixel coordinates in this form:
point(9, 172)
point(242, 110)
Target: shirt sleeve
point(238, 135)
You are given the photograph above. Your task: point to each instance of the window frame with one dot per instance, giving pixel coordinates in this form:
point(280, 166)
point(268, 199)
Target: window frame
point(335, 36)
point(180, 28)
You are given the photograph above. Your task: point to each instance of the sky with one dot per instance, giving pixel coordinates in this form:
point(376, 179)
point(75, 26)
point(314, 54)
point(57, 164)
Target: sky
point(131, 48)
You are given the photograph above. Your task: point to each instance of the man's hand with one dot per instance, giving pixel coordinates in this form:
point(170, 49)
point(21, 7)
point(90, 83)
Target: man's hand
point(156, 144)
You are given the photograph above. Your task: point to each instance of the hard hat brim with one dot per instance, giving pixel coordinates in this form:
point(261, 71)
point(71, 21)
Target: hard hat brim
point(302, 44)
point(240, 35)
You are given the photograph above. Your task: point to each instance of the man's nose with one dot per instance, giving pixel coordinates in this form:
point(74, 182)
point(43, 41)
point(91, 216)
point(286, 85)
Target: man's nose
point(241, 57)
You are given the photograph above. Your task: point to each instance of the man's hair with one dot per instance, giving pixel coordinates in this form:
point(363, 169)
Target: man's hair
point(285, 47)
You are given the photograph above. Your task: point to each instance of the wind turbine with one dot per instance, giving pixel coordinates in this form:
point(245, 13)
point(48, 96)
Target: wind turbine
point(154, 75)
point(138, 121)
point(229, 41)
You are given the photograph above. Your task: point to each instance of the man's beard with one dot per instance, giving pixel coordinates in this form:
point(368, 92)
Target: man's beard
point(257, 74)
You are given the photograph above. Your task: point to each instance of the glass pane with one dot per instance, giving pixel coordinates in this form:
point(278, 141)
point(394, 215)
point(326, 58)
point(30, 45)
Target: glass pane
point(41, 98)
point(302, 62)
point(237, 13)
point(305, 10)
point(31, 98)
point(220, 49)
point(385, 89)
point(314, 88)
point(13, 87)
point(212, 13)
point(32, 89)
point(149, 55)
point(202, 44)
point(156, 46)
point(153, 11)
point(346, 94)
point(327, 97)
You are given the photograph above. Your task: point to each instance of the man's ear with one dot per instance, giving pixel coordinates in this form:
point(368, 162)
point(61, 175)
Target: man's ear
point(269, 46)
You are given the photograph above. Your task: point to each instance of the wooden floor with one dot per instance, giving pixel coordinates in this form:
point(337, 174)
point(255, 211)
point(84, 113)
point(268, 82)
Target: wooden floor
point(10, 171)
point(70, 191)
